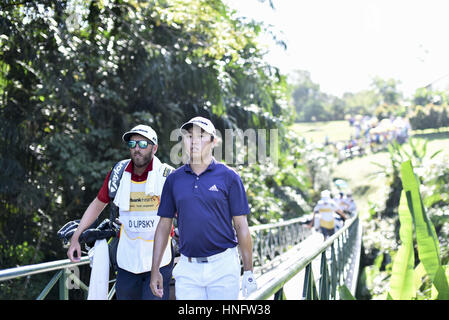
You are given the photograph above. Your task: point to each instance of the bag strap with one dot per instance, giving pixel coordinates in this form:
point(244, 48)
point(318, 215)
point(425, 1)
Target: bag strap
point(113, 184)
point(115, 177)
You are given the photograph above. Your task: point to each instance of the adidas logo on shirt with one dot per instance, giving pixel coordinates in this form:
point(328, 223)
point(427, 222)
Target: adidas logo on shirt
point(213, 188)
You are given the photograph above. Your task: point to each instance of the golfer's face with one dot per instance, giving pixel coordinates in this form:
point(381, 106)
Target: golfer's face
point(198, 144)
point(141, 156)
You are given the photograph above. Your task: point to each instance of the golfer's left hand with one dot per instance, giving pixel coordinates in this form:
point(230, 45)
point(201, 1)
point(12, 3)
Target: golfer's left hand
point(249, 283)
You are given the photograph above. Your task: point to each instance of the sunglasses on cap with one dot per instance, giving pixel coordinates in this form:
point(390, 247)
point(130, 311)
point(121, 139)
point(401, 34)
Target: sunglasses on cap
point(143, 144)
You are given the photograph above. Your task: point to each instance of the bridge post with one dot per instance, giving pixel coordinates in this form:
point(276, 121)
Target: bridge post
point(63, 288)
point(309, 291)
point(279, 295)
point(333, 272)
point(324, 279)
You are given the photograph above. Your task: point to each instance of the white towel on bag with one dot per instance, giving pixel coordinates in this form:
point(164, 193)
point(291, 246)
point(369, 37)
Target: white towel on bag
point(99, 276)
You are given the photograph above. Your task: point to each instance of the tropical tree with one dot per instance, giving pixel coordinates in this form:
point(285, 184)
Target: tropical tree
point(75, 75)
point(387, 90)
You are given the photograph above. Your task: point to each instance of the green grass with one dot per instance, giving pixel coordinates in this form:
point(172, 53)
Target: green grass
point(437, 140)
point(317, 131)
point(365, 179)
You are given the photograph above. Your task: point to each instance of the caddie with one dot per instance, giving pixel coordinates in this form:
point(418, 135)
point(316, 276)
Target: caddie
point(325, 209)
point(137, 198)
point(211, 205)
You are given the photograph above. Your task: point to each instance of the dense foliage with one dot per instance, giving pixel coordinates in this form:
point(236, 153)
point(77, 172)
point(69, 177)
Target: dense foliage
point(430, 116)
point(75, 75)
point(425, 110)
point(312, 104)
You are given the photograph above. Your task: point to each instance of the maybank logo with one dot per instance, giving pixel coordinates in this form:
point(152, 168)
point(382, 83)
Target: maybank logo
point(139, 201)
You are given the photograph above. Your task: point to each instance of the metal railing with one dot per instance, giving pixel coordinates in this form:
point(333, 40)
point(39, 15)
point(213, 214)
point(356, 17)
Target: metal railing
point(270, 242)
point(67, 276)
point(338, 258)
point(63, 277)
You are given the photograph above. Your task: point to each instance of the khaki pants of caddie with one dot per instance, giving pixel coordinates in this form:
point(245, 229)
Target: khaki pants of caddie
point(216, 279)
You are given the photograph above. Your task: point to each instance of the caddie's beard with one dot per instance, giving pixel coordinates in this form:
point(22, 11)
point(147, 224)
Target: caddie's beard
point(141, 160)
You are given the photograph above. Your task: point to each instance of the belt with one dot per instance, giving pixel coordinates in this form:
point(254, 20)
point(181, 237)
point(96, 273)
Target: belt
point(198, 260)
point(207, 259)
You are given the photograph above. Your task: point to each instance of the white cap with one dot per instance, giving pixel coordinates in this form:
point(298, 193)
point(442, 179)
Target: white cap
point(143, 130)
point(325, 194)
point(201, 122)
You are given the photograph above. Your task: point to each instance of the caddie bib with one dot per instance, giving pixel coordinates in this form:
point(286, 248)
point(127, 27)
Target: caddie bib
point(326, 217)
point(135, 248)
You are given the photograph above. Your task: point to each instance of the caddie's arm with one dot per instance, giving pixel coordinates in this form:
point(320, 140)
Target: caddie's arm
point(90, 215)
point(313, 219)
point(341, 213)
point(160, 243)
point(245, 241)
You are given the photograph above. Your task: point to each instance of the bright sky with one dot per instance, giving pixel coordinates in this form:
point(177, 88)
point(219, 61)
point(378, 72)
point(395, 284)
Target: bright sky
point(345, 43)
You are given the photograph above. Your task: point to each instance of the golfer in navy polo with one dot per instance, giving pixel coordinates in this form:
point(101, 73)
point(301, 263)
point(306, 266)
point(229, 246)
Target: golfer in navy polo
point(211, 205)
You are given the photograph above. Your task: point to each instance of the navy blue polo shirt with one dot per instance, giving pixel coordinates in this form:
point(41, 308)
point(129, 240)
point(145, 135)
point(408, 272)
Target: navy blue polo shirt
point(205, 205)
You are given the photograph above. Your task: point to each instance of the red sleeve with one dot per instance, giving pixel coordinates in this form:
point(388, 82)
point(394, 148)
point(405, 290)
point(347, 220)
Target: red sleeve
point(103, 194)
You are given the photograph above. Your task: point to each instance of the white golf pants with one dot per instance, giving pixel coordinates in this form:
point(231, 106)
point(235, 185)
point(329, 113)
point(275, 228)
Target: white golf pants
point(216, 279)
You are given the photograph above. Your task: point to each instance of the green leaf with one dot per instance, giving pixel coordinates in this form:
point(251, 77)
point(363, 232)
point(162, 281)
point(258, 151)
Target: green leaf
point(436, 153)
point(345, 294)
point(402, 285)
point(440, 283)
point(427, 240)
point(420, 272)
